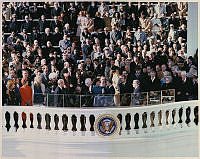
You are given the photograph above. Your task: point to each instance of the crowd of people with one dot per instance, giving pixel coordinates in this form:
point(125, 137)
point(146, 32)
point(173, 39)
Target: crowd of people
point(84, 48)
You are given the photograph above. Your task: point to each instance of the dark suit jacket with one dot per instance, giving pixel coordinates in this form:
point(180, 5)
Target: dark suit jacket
point(42, 25)
point(125, 88)
point(133, 23)
point(53, 25)
point(155, 85)
point(28, 26)
point(45, 79)
point(58, 97)
point(184, 87)
point(46, 38)
point(55, 12)
point(109, 90)
point(56, 38)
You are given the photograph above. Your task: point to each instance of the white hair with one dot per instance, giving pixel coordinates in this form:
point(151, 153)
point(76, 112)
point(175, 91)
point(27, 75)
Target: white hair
point(183, 73)
point(52, 75)
point(60, 81)
point(87, 81)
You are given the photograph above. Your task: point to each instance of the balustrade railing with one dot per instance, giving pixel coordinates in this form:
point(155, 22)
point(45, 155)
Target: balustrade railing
point(81, 121)
point(105, 100)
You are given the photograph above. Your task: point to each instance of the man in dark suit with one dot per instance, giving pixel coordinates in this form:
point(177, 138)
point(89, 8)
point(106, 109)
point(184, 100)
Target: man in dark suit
point(45, 76)
point(42, 24)
point(28, 25)
point(56, 10)
point(109, 89)
point(136, 92)
point(125, 91)
point(154, 82)
point(47, 36)
point(104, 35)
point(57, 36)
point(56, 23)
point(59, 93)
point(184, 88)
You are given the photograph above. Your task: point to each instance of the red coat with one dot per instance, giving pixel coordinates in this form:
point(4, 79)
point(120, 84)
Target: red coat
point(26, 95)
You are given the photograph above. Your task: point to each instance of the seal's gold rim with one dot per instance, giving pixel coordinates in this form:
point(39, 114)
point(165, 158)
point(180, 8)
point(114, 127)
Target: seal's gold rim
point(109, 115)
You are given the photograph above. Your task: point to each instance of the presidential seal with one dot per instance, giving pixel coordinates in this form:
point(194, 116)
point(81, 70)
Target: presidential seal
point(107, 125)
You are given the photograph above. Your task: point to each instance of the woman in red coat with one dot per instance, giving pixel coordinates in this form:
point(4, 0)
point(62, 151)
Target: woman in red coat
point(26, 97)
point(26, 93)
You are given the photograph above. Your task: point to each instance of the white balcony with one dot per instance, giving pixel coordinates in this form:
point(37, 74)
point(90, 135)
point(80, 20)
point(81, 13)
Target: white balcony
point(170, 131)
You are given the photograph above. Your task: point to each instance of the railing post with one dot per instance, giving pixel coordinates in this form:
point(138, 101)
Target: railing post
point(156, 120)
point(140, 123)
point(148, 122)
point(78, 124)
point(132, 124)
point(123, 131)
point(163, 120)
point(87, 125)
point(35, 124)
point(43, 122)
point(184, 125)
point(60, 125)
point(28, 121)
point(52, 124)
point(192, 116)
point(170, 119)
point(20, 121)
point(176, 118)
point(70, 124)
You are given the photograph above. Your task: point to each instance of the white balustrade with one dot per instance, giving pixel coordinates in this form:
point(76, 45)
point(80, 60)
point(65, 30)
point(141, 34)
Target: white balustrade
point(184, 125)
point(140, 123)
point(20, 121)
point(28, 121)
point(12, 122)
point(35, 122)
point(69, 125)
point(170, 119)
point(43, 122)
point(60, 123)
point(123, 132)
point(192, 117)
point(176, 118)
point(132, 124)
point(87, 124)
point(98, 111)
point(78, 124)
point(156, 121)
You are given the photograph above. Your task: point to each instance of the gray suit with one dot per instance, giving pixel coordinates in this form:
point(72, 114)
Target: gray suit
point(114, 36)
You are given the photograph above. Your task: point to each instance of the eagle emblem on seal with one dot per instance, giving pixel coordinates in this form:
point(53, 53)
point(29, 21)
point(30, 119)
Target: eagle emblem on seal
point(107, 125)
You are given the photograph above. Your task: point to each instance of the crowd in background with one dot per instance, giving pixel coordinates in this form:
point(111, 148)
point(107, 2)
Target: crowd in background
point(95, 49)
